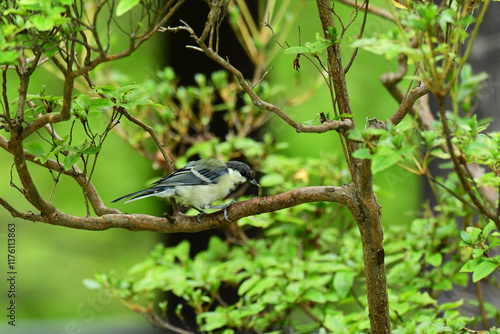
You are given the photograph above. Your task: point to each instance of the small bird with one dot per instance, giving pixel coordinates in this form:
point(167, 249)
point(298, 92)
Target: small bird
point(199, 184)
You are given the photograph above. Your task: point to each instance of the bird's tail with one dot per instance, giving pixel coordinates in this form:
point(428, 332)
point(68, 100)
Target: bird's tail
point(155, 191)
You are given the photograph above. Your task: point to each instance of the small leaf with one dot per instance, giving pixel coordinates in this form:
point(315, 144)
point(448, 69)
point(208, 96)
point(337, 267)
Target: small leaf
point(451, 305)
point(315, 296)
point(465, 237)
point(363, 153)
point(473, 233)
point(434, 259)
point(356, 135)
point(213, 320)
point(271, 180)
point(92, 284)
point(381, 162)
point(125, 6)
point(488, 228)
point(471, 265)
point(34, 148)
point(293, 50)
point(342, 282)
point(92, 149)
point(262, 285)
point(483, 270)
point(478, 252)
point(8, 57)
point(42, 23)
point(101, 103)
point(70, 160)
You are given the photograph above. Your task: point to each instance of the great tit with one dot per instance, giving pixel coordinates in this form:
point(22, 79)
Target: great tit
point(199, 184)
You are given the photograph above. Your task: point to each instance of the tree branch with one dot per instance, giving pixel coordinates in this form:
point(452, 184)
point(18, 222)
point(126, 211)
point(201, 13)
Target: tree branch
point(256, 100)
point(87, 186)
point(190, 224)
point(372, 9)
point(457, 166)
point(24, 215)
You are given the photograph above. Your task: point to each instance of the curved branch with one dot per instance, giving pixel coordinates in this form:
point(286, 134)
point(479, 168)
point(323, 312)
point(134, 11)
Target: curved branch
point(24, 215)
point(406, 102)
point(87, 186)
point(153, 134)
point(135, 42)
point(256, 100)
point(372, 9)
point(190, 224)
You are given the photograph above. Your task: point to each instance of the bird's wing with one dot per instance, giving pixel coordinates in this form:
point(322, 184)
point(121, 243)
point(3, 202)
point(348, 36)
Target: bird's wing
point(192, 174)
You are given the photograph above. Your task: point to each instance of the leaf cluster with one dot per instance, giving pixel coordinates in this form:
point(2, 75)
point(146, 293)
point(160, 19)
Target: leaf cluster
point(299, 271)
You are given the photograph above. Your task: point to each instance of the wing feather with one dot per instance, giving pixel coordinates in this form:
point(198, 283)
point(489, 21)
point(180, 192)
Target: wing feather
point(189, 175)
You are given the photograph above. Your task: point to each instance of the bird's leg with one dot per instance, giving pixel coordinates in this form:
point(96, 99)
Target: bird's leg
point(198, 216)
point(224, 208)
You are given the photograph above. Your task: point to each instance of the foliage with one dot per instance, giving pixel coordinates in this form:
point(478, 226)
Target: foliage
point(291, 274)
point(305, 268)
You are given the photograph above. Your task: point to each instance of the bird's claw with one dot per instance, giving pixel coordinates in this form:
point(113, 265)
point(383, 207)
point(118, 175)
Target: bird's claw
point(225, 214)
point(198, 216)
point(223, 207)
point(224, 210)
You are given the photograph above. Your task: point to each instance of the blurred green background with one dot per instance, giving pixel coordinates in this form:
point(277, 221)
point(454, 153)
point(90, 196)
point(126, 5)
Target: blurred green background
point(53, 261)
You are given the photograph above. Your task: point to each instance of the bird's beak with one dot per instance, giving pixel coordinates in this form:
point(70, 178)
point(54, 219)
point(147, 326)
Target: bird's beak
point(254, 182)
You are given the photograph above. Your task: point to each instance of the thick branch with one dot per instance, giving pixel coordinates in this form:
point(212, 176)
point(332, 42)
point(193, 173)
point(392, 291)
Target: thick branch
point(190, 224)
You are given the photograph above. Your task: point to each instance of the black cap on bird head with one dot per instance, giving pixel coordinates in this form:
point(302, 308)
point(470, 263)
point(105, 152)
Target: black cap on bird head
point(244, 170)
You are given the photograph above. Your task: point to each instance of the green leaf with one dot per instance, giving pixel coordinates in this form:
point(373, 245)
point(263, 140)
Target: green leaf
point(92, 149)
point(8, 57)
point(342, 282)
point(125, 6)
point(315, 296)
point(34, 148)
point(271, 180)
point(473, 233)
point(452, 305)
point(478, 252)
point(363, 153)
point(262, 285)
point(465, 237)
point(105, 89)
point(92, 284)
point(483, 269)
point(381, 162)
point(422, 298)
point(248, 284)
point(320, 45)
point(470, 265)
point(434, 259)
point(212, 320)
point(488, 228)
point(42, 23)
point(70, 160)
point(293, 50)
point(101, 103)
